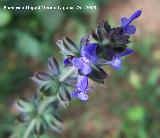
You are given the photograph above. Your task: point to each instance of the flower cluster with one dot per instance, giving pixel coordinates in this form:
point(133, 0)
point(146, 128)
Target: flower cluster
point(102, 46)
point(108, 48)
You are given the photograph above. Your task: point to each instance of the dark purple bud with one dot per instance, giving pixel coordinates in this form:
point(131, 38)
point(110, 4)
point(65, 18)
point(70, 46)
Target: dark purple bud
point(98, 75)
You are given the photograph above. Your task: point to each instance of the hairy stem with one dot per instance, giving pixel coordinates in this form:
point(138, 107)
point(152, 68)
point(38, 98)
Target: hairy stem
point(49, 100)
point(65, 75)
point(29, 129)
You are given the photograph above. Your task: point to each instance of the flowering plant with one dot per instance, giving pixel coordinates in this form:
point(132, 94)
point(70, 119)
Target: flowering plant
point(102, 46)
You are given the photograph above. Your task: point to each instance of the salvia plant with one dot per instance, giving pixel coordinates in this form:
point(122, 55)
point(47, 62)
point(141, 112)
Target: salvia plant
point(56, 87)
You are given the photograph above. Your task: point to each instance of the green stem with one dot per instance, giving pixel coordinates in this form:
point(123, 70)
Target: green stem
point(47, 102)
point(65, 75)
point(29, 129)
point(52, 99)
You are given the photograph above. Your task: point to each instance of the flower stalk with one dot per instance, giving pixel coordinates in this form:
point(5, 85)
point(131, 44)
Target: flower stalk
point(103, 46)
point(64, 76)
point(30, 128)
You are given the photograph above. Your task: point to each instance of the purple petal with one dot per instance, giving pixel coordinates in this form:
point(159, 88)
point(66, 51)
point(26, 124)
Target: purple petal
point(78, 63)
point(74, 93)
point(82, 96)
point(127, 52)
point(66, 61)
point(116, 63)
point(89, 52)
point(86, 69)
point(123, 20)
point(131, 29)
point(135, 15)
point(132, 17)
point(82, 84)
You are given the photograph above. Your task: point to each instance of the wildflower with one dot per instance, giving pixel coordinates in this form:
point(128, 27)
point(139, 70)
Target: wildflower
point(81, 88)
point(88, 57)
point(125, 23)
point(116, 63)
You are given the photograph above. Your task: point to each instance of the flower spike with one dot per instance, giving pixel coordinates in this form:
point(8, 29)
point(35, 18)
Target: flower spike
point(61, 83)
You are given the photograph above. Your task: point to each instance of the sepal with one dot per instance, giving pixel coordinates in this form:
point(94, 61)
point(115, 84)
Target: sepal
point(53, 66)
point(64, 94)
point(98, 75)
point(67, 47)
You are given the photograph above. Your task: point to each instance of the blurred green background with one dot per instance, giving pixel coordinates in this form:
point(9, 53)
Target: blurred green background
point(128, 106)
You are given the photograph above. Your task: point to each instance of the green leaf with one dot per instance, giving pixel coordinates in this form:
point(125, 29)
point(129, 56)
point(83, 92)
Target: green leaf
point(5, 17)
point(27, 45)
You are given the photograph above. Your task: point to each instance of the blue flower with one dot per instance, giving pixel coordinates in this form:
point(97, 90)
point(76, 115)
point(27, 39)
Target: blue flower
point(81, 88)
point(88, 57)
point(89, 52)
point(125, 23)
point(116, 63)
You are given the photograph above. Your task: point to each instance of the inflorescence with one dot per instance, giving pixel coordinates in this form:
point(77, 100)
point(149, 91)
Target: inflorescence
point(102, 46)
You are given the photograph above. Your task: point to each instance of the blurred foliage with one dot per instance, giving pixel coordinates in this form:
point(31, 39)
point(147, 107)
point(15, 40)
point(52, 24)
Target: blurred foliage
point(6, 120)
point(26, 41)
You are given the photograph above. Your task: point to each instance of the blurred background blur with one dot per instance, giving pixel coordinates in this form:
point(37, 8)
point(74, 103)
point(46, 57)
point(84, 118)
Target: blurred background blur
point(128, 106)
